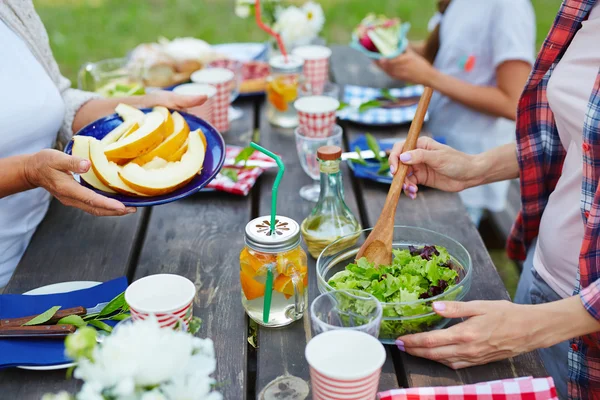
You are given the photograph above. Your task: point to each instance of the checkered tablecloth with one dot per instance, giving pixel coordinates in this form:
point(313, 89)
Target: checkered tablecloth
point(356, 95)
point(509, 389)
point(246, 176)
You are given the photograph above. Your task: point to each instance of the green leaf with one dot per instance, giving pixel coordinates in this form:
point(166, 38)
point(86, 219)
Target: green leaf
point(244, 155)
point(368, 105)
point(386, 94)
point(358, 160)
point(374, 146)
point(384, 168)
point(230, 173)
point(101, 325)
point(43, 317)
point(119, 317)
point(115, 304)
point(72, 320)
point(194, 325)
point(343, 105)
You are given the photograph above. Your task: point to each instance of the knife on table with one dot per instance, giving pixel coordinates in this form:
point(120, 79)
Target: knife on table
point(81, 311)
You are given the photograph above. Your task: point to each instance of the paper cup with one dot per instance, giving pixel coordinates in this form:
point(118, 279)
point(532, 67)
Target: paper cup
point(205, 111)
point(162, 296)
point(316, 65)
point(344, 364)
point(222, 79)
point(316, 115)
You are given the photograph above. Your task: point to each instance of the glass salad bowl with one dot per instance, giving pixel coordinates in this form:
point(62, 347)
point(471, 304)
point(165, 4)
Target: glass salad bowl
point(405, 290)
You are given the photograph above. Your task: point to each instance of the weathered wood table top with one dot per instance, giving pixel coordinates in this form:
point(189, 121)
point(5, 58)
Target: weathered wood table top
point(201, 237)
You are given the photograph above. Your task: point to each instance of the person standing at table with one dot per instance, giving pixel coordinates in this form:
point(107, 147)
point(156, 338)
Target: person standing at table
point(557, 232)
point(37, 108)
point(477, 60)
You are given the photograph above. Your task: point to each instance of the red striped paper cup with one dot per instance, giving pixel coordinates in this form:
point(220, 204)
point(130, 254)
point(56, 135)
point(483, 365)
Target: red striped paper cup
point(205, 111)
point(222, 79)
point(345, 365)
point(316, 65)
point(169, 298)
point(316, 115)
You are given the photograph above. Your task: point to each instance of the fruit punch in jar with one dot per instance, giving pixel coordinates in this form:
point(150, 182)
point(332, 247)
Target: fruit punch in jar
point(275, 260)
point(282, 90)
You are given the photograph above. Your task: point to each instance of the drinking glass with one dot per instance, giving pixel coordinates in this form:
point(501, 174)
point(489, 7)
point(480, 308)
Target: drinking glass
point(330, 90)
point(234, 66)
point(307, 152)
point(346, 309)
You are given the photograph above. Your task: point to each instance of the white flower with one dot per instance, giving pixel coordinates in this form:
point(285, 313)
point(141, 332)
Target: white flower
point(58, 396)
point(292, 24)
point(242, 11)
point(315, 16)
point(153, 395)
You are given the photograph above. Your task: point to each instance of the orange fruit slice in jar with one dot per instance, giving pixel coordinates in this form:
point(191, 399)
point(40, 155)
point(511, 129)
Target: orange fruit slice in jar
point(255, 263)
point(284, 285)
point(291, 262)
point(251, 288)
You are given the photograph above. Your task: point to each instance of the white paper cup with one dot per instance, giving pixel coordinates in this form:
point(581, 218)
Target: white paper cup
point(162, 296)
point(222, 79)
point(316, 114)
point(345, 364)
point(316, 65)
point(205, 111)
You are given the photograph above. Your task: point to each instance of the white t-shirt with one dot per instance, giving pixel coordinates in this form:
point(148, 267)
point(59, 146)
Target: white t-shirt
point(31, 113)
point(556, 257)
point(489, 32)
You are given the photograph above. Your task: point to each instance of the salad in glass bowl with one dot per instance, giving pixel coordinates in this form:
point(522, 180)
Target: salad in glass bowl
point(426, 267)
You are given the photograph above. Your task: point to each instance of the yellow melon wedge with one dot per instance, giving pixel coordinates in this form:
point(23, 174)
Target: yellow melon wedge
point(81, 149)
point(167, 115)
point(119, 131)
point(128, 112)
point(149, 135)
point(173, 176)
point(170, 145)
point(134, 127)
point(179, 153)
point(155, 164)
point(107, 171)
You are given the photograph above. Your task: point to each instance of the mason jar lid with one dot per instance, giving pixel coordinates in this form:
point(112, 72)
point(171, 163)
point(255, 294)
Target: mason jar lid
point(258, 234)
point(290, 63)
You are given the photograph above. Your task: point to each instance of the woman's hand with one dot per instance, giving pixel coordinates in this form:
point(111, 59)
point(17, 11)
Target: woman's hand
point(494, 331)
point(52, 170)
point(409, 67)
point(436, 165)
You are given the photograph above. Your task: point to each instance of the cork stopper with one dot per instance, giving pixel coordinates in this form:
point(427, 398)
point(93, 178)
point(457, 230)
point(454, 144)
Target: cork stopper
point(329, 153)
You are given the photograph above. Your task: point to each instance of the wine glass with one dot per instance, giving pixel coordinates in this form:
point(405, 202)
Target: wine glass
point(307, 152)
point(234, 66)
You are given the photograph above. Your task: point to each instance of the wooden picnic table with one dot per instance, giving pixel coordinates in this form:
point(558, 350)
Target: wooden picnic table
point(200, 238)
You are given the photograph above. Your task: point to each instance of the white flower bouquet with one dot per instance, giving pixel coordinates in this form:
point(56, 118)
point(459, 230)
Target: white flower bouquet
point(141, 361)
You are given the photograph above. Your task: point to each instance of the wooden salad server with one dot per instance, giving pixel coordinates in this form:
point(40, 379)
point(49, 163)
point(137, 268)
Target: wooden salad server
point(378, 246)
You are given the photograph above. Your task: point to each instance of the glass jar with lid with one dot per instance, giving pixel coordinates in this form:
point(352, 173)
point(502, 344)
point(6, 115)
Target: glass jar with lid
point(282, 90)
point(273, 260)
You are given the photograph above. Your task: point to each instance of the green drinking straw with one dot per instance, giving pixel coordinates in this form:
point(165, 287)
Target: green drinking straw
point(269, 283)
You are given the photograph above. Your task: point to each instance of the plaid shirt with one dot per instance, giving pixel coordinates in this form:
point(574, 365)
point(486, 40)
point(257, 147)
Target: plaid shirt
point(541, 158)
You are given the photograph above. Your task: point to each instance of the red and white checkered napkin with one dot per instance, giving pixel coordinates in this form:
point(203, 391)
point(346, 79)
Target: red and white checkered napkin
point(246, 176)
point(509, 389)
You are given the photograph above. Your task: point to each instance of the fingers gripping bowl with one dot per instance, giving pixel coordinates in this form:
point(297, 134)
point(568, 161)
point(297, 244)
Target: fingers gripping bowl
point(418, 253)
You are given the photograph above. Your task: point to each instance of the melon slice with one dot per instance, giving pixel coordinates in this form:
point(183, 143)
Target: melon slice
point(179, 153)
point(167, 115)
point(107, 171)
point(155, 164)
point(81, 149)
point(119, 131)
point(128, 112)
point(171, 144)
point(149, 135)
point(134, 127)
point(164, 180)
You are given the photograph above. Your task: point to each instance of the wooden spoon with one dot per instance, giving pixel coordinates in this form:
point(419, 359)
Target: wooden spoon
point(378, 246)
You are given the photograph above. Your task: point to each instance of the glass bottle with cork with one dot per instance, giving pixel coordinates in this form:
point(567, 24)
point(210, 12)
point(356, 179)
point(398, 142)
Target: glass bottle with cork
point(331, 219)
point(282, 90)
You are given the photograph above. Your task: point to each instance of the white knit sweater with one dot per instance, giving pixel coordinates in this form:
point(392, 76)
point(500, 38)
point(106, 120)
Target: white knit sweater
point(20, 16)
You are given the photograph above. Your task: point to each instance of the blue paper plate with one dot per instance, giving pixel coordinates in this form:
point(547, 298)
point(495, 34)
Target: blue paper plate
point(213, 160)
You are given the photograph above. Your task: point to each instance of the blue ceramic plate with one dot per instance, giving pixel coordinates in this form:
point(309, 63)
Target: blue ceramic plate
point(213, 161)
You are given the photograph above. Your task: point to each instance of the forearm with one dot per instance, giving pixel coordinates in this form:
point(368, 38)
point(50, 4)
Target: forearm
point(485, 99)
point(498, 164)
point(13, 178)
point(418, 47)
point(98, 108)
point(562, 320)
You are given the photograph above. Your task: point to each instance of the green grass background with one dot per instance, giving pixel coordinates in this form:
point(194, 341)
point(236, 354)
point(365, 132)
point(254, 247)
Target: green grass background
point(91, 30)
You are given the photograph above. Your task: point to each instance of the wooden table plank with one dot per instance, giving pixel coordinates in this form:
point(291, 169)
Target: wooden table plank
point(69, 245)
point(200, 238)
point(281, 351)
point(441, 212)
